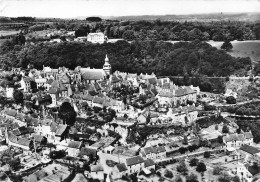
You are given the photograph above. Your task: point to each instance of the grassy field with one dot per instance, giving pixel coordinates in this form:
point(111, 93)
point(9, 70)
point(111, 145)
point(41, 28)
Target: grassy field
point(8, 32)
point(243, 49)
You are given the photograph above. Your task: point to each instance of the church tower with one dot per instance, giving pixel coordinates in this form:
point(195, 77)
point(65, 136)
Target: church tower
point(107, 67)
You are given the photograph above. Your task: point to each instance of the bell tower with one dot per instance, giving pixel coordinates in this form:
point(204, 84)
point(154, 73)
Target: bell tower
point(107, 66)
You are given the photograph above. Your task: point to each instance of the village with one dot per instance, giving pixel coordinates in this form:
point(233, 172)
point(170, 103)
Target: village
point(91, 125)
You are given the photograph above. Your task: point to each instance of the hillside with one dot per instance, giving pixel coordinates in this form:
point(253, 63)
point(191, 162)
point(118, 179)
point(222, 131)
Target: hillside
point(193, 17)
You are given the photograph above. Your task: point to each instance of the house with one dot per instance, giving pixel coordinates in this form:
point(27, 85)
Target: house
point(166, 98)
point(88, 152)
point(52, 172)
point(154, 153)
point(149, 164)
point(183, 115)
point(96, 37)
point(237, 140)
point(97, 172)
point(119, 171)
point(61, 132)
point(41, 82)
point(148, 153)
point(26, 84)
point(21, 132)
point(134, 164)
point(98, 102)
point(115, 81)
point(15, 141)
point(141, 119)
point(73, 148)
point(239, 170)
point(39, 139)
point(88, 98)
point(249, 153)
point(9, 92)
point(10, 113)
point(80, 178)
point(160, 152)
point(249, 139)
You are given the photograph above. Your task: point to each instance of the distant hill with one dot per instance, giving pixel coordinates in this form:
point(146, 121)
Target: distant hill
point(195, 17)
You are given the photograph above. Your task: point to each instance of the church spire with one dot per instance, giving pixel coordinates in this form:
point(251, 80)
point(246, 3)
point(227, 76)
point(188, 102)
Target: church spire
point(107, 66)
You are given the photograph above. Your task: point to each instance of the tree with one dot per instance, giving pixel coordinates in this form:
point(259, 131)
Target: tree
point(231, 100)
point(178, 179)
point(182, 150)
point(67, 113)
point(194, 162)
point(225, 129)
point(220, 139)
point(217, 170)
point(224, 177)
point(18, 96)
point(168, 174)
point(192, 178)
point(206, 154)
point(227, 45)
point(201, 167)
point(129, 35)
point(182, 168)
point(57, 154)
point(94, 19)
point(185, 140)
point(236, 179)
point(14, 163)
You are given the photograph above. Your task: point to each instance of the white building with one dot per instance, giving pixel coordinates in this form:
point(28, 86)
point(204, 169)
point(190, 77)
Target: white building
point(9, 92)
point(96, 37)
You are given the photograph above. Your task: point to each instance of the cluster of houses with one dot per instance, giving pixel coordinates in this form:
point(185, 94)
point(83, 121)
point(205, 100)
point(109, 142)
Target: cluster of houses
point(145, 100)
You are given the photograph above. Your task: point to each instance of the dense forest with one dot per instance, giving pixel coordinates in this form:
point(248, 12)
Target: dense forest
point(173, 31)
point(162, 58)
point(159, 30)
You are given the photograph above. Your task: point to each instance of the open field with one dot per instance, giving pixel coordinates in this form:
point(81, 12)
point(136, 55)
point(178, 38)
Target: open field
point(8, 32)
point(250, 48)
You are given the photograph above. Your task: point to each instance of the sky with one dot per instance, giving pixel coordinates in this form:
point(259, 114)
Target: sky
point(77, 8)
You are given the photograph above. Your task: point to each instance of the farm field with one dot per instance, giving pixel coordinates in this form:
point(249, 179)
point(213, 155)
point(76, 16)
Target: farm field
point(250, 48)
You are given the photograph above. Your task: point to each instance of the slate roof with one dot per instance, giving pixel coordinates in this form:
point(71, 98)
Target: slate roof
point(166, 94)
point(20, 116)
point(96, 168)
point(60, 129)
point(97, 86)
point(160, 149)
point(152, 81)
point(98, 100)
point(20, 131)
point(249, 149)
point(38, 138)
point(88, 97)
point(115, 79)
point(53, 91)
point(149, 150)
point(88, 151)
point(231, 137)
point(241, 137)
point(93, 74)
point(11, 112)
point(134, 160)
point(148, 163)
point(248, 135)
point(74, 144)
point(121, 167)
point(17, 140)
